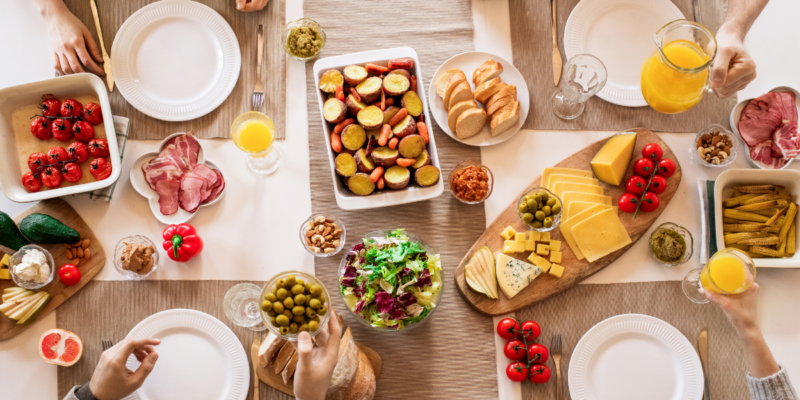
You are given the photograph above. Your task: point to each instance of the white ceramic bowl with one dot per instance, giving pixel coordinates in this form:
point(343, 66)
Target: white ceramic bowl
point(736, 115)
point(140, 184)
point(70, 86)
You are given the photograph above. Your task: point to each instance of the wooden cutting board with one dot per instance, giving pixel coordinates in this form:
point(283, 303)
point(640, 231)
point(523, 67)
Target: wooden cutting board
point(574, 270)
point(60, 210)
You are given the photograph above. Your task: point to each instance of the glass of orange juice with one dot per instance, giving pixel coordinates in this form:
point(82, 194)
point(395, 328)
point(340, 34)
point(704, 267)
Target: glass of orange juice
point(254, 133)
point(675, 75)
point(729, 271)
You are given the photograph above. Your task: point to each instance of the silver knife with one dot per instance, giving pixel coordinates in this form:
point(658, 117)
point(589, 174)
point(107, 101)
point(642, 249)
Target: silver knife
point(702, 344)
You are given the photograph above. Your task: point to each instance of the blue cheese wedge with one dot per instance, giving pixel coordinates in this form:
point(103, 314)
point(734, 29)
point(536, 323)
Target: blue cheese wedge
point(514, 275)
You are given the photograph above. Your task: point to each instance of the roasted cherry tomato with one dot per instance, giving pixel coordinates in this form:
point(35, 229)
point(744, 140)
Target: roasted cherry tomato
point(40, 128)
point(78, 152)
point(517, 371)
point(650, 202)
point(83, 131)
point(31, 182)
point(666, 167)
point(100, 169)
point(643, 167)
point(537, 353)
point(57, 154)
point(92, 113)
point(508, 328)
point(62, 129)
point(36, 161)
point(658, 185)
point(98, 148)
point(72, 172)
point(635, 185)
point(51, 177)
point(50, 107)
point(539, 373)
point(652, 152)
point(531, 330)
point(71, 108)
point(628, 202)
point(69, 274)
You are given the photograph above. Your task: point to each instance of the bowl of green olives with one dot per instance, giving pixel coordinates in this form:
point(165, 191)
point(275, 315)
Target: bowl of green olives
point(294, 302)
point(540, 209)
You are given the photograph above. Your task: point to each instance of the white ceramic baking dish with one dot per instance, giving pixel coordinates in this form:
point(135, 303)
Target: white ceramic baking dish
point(63, 88)
point(723, 188)
point(346, 199)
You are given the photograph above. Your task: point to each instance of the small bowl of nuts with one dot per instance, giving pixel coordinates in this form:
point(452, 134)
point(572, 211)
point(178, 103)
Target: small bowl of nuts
point(322, 236)
point(715, 146)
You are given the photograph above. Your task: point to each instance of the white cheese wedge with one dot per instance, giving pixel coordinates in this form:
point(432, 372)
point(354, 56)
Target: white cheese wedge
point(514, 275)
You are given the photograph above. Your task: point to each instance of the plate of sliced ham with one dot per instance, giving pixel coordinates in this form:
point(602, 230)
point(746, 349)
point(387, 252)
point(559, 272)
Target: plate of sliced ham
point(768, 125)
point(177, 179)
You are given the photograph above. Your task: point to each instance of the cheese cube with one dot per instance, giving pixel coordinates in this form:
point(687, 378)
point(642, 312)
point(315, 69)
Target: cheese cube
point(555, 245)
point(5, 274)
point(5, 260)
point(539, 262)
point(556, 270)
point(509, 247)
point(508, 233)
point(530, 245)
point(535, 236)
point(519, 236)
point(555, 256)
point(542, 249)
point(519, 247)
point(611, 161)
point(545, 237)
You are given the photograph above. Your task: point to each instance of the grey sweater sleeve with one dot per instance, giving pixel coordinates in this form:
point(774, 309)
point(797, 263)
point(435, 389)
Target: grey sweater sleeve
point(80, 393)
point(774, 387)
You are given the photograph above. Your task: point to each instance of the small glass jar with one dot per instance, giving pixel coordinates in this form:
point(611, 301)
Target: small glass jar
point(687, 240)
point(307, 225)
point(17, 259)
point(136, 239)
point(323, 318)
point(723, 132)
point(471, 163)
point(287, 30)
point(555, 216)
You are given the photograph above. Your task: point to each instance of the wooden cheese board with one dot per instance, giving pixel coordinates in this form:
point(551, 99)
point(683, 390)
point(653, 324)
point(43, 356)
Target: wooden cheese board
point(60, 210)
point(575, 270)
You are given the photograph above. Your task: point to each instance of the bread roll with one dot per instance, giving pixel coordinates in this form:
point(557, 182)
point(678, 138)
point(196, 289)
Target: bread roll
point(345, 372)
point(363, 387)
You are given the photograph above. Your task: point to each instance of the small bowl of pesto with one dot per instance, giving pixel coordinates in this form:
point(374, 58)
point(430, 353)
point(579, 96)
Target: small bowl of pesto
point(303, 39)
point(671, 244)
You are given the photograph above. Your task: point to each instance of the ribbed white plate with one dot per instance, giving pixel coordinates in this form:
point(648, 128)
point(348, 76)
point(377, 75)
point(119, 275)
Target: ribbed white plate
point(199, 358)
point(621, 34)
point(175, 60)
point(634, 356)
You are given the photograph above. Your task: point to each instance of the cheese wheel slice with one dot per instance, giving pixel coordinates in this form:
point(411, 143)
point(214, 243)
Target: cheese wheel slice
point(567, 225)
point(562, 187)
point(555, 178)
point(562, 171)
point(600, 235)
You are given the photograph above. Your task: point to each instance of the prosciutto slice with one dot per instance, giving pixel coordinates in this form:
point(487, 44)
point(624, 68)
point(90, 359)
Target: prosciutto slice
point(786, 140)
point(763, 153)
point(188, 148)
point(193, 190)
point(217, 190)
point(168, 196)
point(160, 169)
point(760, 118)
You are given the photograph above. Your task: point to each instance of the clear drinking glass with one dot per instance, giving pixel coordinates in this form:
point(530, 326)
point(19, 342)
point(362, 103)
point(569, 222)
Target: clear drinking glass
point(729, 271)
point(584, 75)
point(241, 306)
point(254, 133)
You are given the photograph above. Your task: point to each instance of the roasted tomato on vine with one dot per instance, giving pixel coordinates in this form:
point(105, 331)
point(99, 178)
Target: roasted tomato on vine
point(643, 167)
point(652, 152)
point(514, 350)
point(508, 328)
point(537, 353)
point(78, 152)
point(628, 202)
point(658, 185)
point(649, 202)
point(51, 177)
point(50, 107)
point(62, 129)
point(539, 373)
point(517, 371)
point(100, 169)
point(83, 131)
point(635, 185)
point(92, 113)
point(57, 154)
point(71, 108)
point(72, 172)
point(666, 167)
point(531, 330)
point(98, 148)
point(37, 160)
point(31, 183)
point(40, 128)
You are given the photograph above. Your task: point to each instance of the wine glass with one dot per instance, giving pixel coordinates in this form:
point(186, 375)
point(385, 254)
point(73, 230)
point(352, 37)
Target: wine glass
point(241, 306)
point(584, 75)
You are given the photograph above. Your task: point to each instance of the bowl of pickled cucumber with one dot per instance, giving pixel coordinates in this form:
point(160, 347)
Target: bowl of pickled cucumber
point(540, 209)
point(294, 302)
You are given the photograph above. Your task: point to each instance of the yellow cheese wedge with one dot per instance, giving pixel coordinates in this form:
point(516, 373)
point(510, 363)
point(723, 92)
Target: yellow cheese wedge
point(555, 178)
point(555, 256)
point(563, 171)
point(508, 233)
point(539, 262)
point(611, 162)
point(566, 227)
point(576, 207)
point(5, 260)
point(570, 197)
point(556, 270)
point(562, 187)
point(5, 274)
point(555, 245)
point(600, 235)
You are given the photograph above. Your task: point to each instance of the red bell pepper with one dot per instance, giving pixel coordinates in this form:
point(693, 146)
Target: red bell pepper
point(181, 242)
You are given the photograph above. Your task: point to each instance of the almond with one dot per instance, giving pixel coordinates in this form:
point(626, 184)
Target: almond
point(85, 243)
point(68, 253)
point(87, 253)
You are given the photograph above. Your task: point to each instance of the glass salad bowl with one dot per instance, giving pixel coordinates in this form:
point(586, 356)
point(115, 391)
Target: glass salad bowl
point(321, 317)
point(372, 296)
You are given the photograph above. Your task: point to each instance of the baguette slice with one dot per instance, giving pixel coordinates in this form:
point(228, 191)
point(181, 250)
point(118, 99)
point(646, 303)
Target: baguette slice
point(363, 387)
point(497, 104)
point(286, 353)
point(461, 93)
point(441, 86)
point(505, 119)
point(470, 122)
point(509, 90)
point(488, 88)
point(345, 371)
point(481, 69)
point(269, 349)
point(288, 372)
point(452, 83)
point(456, 110)
point(492, 71)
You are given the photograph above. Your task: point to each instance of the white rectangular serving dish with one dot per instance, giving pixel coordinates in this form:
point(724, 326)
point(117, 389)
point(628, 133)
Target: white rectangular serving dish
point(736, 115)
point(346, 199)
point(723, 187)
point(63, 88)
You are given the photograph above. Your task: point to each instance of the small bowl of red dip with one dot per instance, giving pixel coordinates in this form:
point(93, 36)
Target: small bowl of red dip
point(471, 182)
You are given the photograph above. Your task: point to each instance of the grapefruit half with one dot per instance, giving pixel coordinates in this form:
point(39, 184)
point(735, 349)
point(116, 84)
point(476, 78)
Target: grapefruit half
point(60, 347)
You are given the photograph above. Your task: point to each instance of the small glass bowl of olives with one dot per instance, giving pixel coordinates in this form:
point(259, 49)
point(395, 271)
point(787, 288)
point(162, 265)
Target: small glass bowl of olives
point(540, 209)
point(294, 302)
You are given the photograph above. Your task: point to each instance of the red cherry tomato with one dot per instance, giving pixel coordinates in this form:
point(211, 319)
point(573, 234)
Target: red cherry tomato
point(98, 148)
point(635, 185)
point(69, 274)
point(650, 202)
point(71, 172)
point(508, 328)
point(627, 202)
point(36, 161)
point(658, 185)
point(78, 152)
point(83, 131)
point(71, 108)
point(539, 373)
point(537, 353)
point(57, 154)
point(514, 350)
point(31, 183)
point(51, 177)
point(50, 107)
point(531, 330)
point(643, 167)
point(666, 167)
point(40, 128)
point(517, 371)
point(100, 169)
point(92, 113)
point(62, 129)
point(652, 152)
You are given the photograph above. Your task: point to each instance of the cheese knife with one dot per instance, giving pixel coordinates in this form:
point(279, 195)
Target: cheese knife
point(106, 59)
point(702, 344)
point(556, 53)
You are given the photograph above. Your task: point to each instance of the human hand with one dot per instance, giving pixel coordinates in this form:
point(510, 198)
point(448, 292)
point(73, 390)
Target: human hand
point(71, 41)
point(733, 68)
point(315, 364)
point(251, 5)
point(112, 380)
point(740, 308)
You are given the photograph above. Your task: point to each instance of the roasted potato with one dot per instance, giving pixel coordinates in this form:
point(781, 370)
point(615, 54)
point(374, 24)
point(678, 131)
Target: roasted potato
point(364, 162)
point(411, 146)
point(353, 105)
point(401, 72)
point(370, 89)
point(406, 126)
point(390, 112)
point(396, 84)
point(345, 165)
point(354, 74)
point(353, 138)
point(427, 175)
point(385, 156)
point(422, 160)
point(412, 103)
point(329, 80)
point(397, 177)
point(335, 111)
point(360, 184)
point(370, 117)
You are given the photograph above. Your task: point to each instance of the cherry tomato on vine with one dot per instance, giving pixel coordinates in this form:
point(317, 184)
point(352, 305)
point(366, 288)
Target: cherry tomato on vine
point(635, 185)
point(658, 185)
point(36, 160)
point(531, 330)
point(83, 131)
point(666, 167)
point(57, 154)
point(51, 177)
point(517, 371)
point(627, 202)
point(652, 152)
point(31, 183)
point(100, 169)
point(650, 202)
point(643, 167)
point(92, 113)
point(508, 328)
point(78, 152)
point(514, 350)
point(71, 172)
point(537, 353)
point(539, 373)
point(40, 128)
point(71, 108)
point(50, 107)
point(98, 148)
point(62, 129)
point(69, 274)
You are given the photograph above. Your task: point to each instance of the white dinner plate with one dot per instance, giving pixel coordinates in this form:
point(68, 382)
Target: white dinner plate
point(175, 60)
point(199, 358)
point(621, 34)
point(468, 62)
point(634, 356)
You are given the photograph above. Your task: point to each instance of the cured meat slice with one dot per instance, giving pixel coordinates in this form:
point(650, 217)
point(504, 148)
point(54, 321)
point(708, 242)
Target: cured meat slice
point(188, 146)
point(785, 103)
point(217, 190)
point(193, 189)
point(160, 169)
point(763, 153)
point(168, 195)
point(786, 140)
point(760, 118)
point(206, 173)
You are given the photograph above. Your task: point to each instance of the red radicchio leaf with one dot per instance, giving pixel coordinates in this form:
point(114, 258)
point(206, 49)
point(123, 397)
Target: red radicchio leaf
point(397, 313)
point(349, 277)
point(360, 306)
point(424, 278)
point(402, 274)
point(359, 290)
point(358, 247)
point(406, 299)
point(384, 301)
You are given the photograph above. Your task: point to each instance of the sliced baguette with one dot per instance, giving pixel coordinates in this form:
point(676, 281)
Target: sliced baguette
point(283, 357)
point(481, 69)
point(485, 90)
point(509, 90)
point(345, 371)
point(460, 93)
point(452, 83)
point(291, 366)
point(470, 122)
point(456, 110)
point(269, 349)
point(505, 118)
point(497, 104)
point(363, 387)
point(492, 71)
point(441, 86)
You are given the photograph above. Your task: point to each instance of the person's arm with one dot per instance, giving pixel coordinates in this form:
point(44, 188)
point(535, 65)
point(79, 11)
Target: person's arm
point(734, 68)
point(73, 45)
point(251, 5)
point(316, 363)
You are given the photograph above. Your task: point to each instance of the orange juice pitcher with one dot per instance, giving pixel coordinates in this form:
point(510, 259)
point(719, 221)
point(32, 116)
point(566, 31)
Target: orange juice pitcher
point(675, 75)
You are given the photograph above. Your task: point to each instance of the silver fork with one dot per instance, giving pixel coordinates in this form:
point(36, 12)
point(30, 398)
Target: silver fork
point(258, 92)
point(555, 352)
point(107, 344)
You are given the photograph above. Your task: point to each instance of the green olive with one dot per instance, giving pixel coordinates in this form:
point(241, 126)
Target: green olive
point(537, 225)
point(527, 196)
point(281, 283)
point(313, 326)
point(281, 294)
point(284, 330)
point(556, 209)
point(310, 313)
point(297, 289)
point(298, 310)
point(273, 291)
point(322, 310)
point(527, 217)
point(308, 286)
point(300, 282)
point(300, 299)
point(288, 302)
point(546, 210)
point(540, 215)
point(544, 195)
point(551, 201)
point(548, 222)
point(293, 327)
point(266, 305)
point(321, 298)
point(288, 314)
point(315, 319)
point(537, 197)
point(278, 307)
point(290, 280)
point(316, 290)
point(303, 328)
point(523, 207)
point(270, 297)
point(532, 205)
point(299, 319)
point(271, 313)
point(282, 320)
point(314, 303)
point(273, 322)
